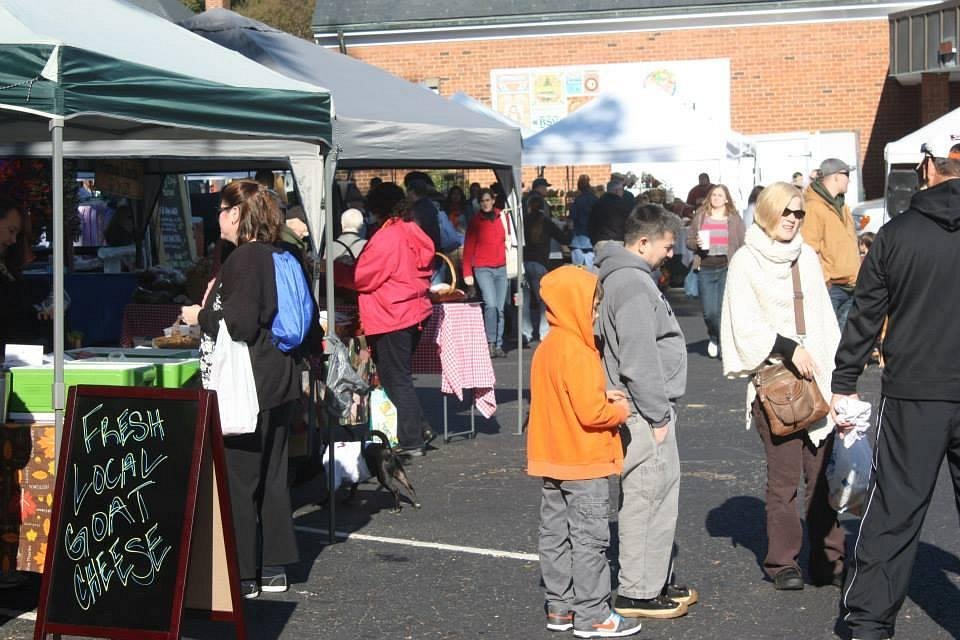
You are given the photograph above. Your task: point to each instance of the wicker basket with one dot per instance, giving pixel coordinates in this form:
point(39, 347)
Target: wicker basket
point(448, 292)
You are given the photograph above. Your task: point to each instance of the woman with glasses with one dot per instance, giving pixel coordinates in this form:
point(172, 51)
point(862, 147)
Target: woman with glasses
point(485, 263)
point(758, 326)
point(714, 235)
point(244, 297)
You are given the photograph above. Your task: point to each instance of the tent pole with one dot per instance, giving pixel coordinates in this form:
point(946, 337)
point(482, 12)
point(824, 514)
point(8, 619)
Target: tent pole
point(330, 173)
point(518, 229)
point(59, 397)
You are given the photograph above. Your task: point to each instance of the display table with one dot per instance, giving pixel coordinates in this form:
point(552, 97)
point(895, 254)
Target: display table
point(146, 321)
point(454, 345)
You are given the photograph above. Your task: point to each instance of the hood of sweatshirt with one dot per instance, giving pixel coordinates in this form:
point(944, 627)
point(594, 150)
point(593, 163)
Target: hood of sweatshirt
point(612, 256)
point(568, 294)
point(940, 203)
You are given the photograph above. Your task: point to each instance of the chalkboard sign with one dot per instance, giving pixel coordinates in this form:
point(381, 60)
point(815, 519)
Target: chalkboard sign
point(137, 469)
point(175, 224)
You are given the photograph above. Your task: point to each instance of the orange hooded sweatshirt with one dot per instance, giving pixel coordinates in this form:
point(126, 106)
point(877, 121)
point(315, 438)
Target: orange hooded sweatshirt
point(573, 431)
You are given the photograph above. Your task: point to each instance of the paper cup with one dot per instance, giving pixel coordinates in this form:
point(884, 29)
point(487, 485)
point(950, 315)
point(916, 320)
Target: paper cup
point(705, 240)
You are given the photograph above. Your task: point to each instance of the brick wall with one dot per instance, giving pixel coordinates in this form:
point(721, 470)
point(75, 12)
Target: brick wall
point(828, 76)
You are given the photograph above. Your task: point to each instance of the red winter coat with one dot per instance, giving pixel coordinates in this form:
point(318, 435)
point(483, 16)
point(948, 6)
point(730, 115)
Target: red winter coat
point(485, 243)
point(393, 278)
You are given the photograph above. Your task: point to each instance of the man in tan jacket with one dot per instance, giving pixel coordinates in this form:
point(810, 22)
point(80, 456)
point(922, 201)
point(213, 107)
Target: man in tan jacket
point(830, 230)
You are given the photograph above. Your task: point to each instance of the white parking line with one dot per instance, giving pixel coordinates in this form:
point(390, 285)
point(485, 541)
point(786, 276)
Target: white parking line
point(493, 553)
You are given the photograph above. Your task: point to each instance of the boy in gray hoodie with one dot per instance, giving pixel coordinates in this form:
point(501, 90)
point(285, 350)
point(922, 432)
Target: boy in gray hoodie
point(645, 354)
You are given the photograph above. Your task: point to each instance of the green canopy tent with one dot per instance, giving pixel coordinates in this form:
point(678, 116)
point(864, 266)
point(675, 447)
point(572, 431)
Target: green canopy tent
point(146, 83)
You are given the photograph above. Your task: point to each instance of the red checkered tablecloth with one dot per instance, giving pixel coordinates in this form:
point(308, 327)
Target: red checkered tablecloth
point(146, 321)
point(454, 345)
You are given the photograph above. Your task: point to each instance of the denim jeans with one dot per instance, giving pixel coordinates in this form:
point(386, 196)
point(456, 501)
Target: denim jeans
point(536, 315)
point(842, 302)
point(492, 282)
point(712, 283)
point(581, 252)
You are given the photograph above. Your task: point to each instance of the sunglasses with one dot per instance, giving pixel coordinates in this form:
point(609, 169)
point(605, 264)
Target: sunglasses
point(844, 173)
point(797, 213)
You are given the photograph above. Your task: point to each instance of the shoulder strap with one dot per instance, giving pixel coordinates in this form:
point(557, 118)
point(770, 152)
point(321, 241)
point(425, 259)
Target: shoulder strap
point(798, 299)
point(344, 245)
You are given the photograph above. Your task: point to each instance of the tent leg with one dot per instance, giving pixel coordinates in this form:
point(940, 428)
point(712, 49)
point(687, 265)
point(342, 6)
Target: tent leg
point(59, 396)
point(518, 225)
point(330, 168)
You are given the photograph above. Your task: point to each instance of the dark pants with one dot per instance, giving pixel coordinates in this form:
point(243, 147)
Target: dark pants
point(259, 495)
point(712, 282)
point(842, 301)
point(393, 355)
point(912, 439)
point(790, 459)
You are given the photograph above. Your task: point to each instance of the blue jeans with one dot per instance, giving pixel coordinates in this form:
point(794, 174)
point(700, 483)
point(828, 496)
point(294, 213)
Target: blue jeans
point(842, 302)
point(581, 252)
point(536, 315)
point(712, 283)
point(492, 282)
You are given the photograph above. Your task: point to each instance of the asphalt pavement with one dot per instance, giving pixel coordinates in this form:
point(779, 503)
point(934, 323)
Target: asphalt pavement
point(464, 565)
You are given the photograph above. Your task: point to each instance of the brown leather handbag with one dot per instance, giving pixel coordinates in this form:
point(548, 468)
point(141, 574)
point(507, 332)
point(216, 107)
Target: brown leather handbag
point(791, 402)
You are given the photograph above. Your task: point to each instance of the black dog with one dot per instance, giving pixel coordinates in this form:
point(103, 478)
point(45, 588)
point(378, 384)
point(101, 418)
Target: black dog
point(384, 464)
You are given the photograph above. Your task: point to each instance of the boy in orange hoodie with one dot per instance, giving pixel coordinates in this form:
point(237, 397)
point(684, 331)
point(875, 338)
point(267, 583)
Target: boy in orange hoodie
point(573, 443)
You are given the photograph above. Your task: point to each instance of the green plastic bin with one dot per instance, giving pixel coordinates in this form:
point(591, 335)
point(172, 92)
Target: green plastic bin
point(31, 388)
point(175, 367)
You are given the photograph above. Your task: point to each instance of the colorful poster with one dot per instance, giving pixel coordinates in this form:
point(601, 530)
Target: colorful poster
point(536, 97)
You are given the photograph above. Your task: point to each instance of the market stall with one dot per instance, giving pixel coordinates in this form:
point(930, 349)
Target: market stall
point(161, 105)
point(382, 121)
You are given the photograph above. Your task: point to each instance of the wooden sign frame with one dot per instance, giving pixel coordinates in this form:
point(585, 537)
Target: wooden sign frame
point(199, 568)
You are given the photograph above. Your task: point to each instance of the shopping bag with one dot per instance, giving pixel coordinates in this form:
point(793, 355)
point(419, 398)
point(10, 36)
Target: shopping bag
point(344, 384)
point(691, 284)
point(848, 475)
point(383, 415)
point(231, 376)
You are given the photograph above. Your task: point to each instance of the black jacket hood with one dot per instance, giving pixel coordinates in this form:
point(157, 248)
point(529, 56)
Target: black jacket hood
point(940, 203)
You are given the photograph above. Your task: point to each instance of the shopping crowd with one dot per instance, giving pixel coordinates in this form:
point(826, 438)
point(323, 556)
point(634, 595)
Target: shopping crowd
point(787, 282)
point(788, 287)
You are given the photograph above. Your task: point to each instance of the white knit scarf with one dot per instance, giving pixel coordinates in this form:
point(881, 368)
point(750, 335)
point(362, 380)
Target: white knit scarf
point(758, 305)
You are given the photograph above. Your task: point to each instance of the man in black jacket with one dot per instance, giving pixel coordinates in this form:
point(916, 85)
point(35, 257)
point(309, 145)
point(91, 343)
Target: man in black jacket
point(608, 214)
point(910, 276)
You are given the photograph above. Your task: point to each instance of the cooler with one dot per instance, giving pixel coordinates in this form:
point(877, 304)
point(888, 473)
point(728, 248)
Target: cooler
point(31, 389)
point(175, 367)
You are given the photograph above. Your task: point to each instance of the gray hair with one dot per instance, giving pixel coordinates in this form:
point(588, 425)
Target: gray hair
point(651, 221)
point(947, 167)
point(614, 185)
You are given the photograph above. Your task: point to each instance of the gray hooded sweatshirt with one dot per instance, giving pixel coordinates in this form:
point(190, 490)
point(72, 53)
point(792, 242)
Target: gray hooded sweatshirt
point(644, 350)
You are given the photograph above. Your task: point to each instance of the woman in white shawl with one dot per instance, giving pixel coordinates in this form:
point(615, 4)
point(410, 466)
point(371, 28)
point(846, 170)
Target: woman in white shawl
point(757, 327)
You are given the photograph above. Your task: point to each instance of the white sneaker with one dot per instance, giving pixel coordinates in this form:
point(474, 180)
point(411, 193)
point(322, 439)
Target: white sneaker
point(713, 350)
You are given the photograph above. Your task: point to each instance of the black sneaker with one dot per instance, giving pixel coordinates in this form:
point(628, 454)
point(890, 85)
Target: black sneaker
point(659, 607)
point(828, 580)
point(559, 619)
point(682, 594)
point(273, 579)
point(249, 589)
point(788, 579)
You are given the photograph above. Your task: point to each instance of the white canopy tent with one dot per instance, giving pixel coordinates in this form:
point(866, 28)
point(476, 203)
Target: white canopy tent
point(633, 126)
point(906, 150)
point(149, 90)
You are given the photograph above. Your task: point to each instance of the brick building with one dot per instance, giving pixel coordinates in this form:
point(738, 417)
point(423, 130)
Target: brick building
point(794, 65)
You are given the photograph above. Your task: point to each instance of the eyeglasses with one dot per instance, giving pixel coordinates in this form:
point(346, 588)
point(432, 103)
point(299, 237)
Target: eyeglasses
point(222, 209)
point(797, 213)
point(487, 200)
point(844, 173)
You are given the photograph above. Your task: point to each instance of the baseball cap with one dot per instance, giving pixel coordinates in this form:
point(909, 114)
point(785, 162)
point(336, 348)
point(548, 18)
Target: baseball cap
point(540, 182)
point(831, 166)
point(943, 147)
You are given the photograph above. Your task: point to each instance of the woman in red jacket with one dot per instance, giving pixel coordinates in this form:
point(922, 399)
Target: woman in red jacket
point(485, 257)
point(392, 278)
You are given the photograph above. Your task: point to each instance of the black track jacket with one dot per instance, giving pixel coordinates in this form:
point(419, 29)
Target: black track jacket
point(912, 275)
